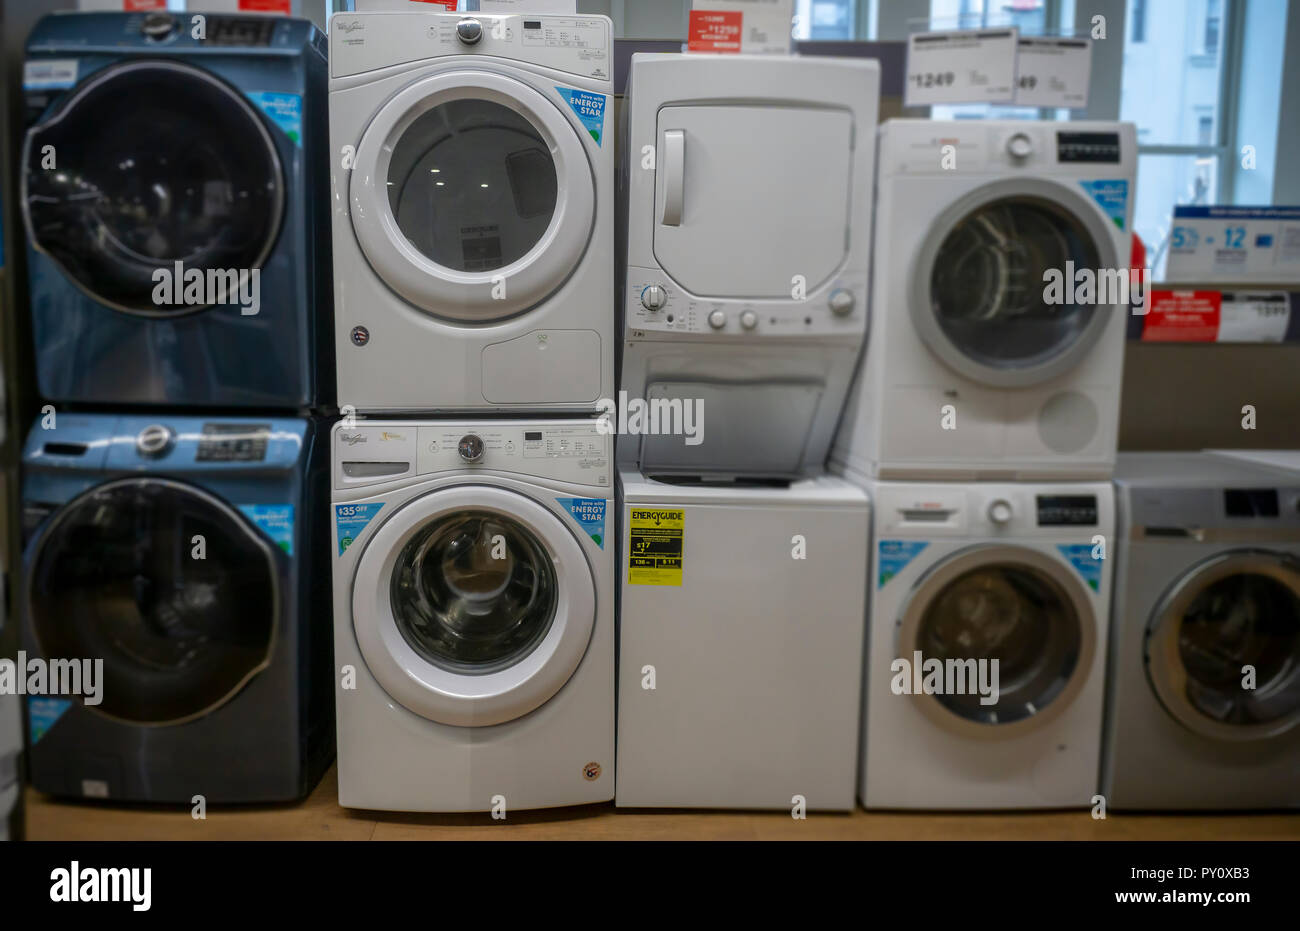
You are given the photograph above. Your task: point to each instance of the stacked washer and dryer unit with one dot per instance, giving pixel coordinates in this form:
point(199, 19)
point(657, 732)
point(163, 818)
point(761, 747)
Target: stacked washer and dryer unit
point(172, 486)
point(472, 487)
point(744, 300)
point(983, 422)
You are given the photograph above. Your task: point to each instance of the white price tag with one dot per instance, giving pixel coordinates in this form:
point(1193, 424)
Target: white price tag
point(970, 66)
point(1053, 72)
point(1254, 317)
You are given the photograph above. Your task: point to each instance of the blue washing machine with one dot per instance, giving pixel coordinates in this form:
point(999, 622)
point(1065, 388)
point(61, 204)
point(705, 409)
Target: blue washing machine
point(159, 168)
point(189, 555)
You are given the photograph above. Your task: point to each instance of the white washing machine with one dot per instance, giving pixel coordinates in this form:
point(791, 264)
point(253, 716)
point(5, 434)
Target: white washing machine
point(963, 575)
point(747, 182)
point(970, 372)
point(474, 611)
point(740, 644)
point(473, 183)
point(1204, 690)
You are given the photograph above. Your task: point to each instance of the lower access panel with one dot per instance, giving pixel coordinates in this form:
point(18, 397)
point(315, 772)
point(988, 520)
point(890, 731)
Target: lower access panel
point(740, 656)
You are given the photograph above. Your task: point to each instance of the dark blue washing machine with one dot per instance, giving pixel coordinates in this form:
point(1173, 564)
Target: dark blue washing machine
point(156, 165)
point(190, 556)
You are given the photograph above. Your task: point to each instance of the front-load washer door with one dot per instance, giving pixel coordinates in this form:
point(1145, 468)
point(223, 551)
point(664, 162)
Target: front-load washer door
point(732, 182)
point(1009, 604)
point(1222, 648)
point(472, 196)
point(172, 588)
point(145, 165)
point(979, 292)
point(473, 605)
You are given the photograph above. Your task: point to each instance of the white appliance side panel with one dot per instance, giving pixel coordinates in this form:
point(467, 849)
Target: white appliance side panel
point(756, 657)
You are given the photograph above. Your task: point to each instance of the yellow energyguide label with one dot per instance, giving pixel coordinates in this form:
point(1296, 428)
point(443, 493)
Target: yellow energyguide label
point(655, 540)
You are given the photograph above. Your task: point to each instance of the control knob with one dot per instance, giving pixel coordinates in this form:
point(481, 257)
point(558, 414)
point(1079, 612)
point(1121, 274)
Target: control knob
point(158, 25)
point(1000, 511)
point(154, 441)
point(470, 447)
point(841, 302)
point(469, 30)
point(1020, 146)
point(653, 297)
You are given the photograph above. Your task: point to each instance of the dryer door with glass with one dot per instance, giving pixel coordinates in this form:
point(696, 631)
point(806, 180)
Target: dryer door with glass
point(1010, 604)
point(473, 605)
point(112, 575)
point(733, 180)
point(1236, 610)
point(978, 294)
point(144, 165)
point(472, 195)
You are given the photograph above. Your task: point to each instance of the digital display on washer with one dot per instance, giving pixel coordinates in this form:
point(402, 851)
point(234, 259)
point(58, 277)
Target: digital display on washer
point(1067, 510)
point(1250, 502)
point(250, 31)
point(233, 442)
point(1087, 147)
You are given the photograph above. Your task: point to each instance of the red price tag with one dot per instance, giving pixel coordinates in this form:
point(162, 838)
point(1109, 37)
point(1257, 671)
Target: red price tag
point(1183, 317)
point(713, 31)
point(448, 5)
point(264, 6)
point(141, 6)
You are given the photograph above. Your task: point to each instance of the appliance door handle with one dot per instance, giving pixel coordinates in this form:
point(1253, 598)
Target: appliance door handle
point(674, 166)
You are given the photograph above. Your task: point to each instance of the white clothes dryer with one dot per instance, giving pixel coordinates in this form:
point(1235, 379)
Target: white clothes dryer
point(748, 188)
point(976, 369)
point(473, 183)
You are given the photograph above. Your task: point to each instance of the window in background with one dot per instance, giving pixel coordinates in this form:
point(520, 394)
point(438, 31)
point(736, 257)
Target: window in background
point(825, 19)
point(1173, 89)
point(1138, 30)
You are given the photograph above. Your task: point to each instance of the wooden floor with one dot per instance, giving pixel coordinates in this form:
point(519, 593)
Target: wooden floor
point(321, 818)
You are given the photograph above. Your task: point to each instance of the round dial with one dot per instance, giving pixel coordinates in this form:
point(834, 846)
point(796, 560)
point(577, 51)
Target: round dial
point(841, 302)
point(469, 30)
point(717, 320)
point(1020, 145)
point(1000, 511)
point(158, 25)
point(470, 447)
point(154, 441)
point(653, 297)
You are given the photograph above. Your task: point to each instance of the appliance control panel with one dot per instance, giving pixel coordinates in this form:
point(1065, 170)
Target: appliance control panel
point(656, 306)
point(576, 452)
point(1066, 513)
point(1091, 150)
point(578, 45)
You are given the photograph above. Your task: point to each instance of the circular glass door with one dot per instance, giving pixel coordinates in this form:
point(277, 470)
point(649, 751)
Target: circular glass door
point(473, 605)
point(472, 196)
point(145, 165)
point(1235, 613)
point(1013, 635)
point(114, 576)
point(980, 299)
